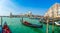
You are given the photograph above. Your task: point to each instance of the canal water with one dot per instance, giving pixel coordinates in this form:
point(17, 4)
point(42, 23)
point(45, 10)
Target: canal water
point(16, 26)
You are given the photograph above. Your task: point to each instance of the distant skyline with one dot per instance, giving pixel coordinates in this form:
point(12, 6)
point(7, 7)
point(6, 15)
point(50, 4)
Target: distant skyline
point(38, 7)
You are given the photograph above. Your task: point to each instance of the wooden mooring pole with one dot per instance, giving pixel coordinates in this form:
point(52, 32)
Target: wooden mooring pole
point(1, 21)
point(47, 27)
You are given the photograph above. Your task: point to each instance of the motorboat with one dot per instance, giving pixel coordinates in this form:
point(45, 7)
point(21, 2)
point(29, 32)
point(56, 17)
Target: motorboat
point(34, 18)
point(57, 23)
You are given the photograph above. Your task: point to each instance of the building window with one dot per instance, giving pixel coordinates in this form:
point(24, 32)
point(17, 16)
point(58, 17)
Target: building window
point(58, 11)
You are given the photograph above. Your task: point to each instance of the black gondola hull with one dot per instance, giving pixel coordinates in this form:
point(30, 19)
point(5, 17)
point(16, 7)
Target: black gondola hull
point(34, 25)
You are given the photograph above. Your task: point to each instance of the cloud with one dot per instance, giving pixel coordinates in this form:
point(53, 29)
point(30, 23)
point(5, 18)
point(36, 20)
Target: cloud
point(6, 6)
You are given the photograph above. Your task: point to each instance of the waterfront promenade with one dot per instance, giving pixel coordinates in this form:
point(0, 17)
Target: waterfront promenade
point(4, 16)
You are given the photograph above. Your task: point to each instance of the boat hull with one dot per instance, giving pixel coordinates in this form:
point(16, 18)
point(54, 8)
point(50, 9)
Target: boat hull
point(33, 25)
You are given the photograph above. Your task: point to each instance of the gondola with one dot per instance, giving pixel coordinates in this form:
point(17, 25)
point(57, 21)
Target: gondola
point(5, 28)
point(32, 25)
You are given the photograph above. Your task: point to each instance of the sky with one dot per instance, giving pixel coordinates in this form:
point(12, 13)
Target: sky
point(38, 7)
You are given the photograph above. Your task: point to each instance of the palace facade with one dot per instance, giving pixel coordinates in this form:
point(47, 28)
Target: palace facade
point(53, 11)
